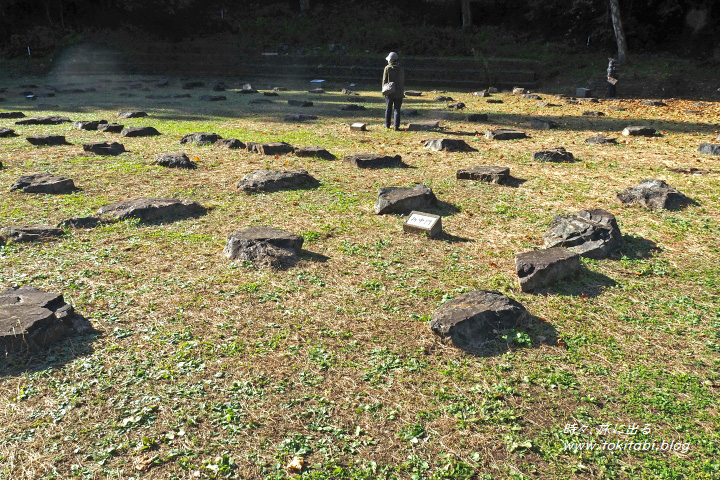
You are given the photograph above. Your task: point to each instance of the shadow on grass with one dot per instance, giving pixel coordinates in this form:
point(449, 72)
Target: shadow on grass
point(54, 356)
point(636, 248)
point(587, 284)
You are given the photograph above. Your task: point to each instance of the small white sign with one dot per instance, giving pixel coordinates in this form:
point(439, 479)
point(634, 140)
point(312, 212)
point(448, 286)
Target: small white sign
point(418, 220)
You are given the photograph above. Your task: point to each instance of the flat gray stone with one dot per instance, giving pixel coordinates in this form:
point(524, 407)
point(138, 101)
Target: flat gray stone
point(314, 151)
point(352, 107)
point(493, 100)
point(80, 222)
point(476, 318)
point(200, 138)
point(504, 134)
point(689, 171)
point(709, 148)
point(299, 117)
point(213, 98)
point(271, 148)
point(371, 160)
point(104, 148)
point(557, 154)
point(133, 114)
point(541, 268)
point(601, 139)
point(518, 91)
point(653, 103)
point(405, 199)
point(654, 194)
point(300, 103)
point(111, 127)
point(51, 120)
point(152, 209)
point(88, 125)
point(448, 145)
point(639, 131)
point(478, 117)
point(43, 183)
point(531, 96)
point(456, 106)
point(264, 246)
point(413, 93)
point(490, 174)
point(542, 124)
point(276, 180)
point(48, 140)
point(481, 93)
point(34, 233)
point(358, 127)
point(593, 113)
point(424, 126)
point(589, 233)
point(175, 160)
point(139, 132)
point(232, 143)
point(7, 132)
point(443, 98)
point(31, 319)
point(12, 115)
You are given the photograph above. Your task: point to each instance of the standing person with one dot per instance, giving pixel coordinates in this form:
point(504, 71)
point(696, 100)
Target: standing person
point(611, 77)
point(393, 100)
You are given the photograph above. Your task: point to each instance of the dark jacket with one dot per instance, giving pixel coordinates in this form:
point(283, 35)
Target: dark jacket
point(395, 73)
point(612, 69)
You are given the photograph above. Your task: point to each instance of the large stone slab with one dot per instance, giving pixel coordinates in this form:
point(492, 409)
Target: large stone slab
point(352, 107)
point(51, 120)
point(7, 132)
point(48, 140)
point(104, 148)
point(654, 194)
point(175, 160)
point(300, 103)
point(371, 160)
point(80, 222)
point(12, 115)
point(139, 132)
point(43, 183)
point(152, 209)
point(133, 114)
point(88, 125)
point(299, 117)
point(111, 127)
point(540, 268)
point(504, 134)
point(557, 154)
point(448, 145)
point(590, 233)
point(709, 148)
point(272, 148)
point(489, 174)
point(424, 126)
point(200, 138)
point(232, 143)
point(34, 233)
point(476, 318)
point(405, 200)
point(31, 319)
point(653, 103)
point(543, 123)
point(314, 151)
point(276, 180)
point(213, 98)
point(639, 131)
point(601, 139)
point(265, 246)
point(478, 117)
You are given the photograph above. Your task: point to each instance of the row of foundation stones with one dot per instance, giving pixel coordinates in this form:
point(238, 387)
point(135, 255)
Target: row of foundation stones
point(29, 320)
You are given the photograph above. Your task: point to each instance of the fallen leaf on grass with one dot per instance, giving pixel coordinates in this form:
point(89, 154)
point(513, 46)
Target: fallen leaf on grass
point(296, 465)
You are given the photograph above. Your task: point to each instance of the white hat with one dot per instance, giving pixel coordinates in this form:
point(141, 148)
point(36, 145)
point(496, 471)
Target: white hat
point(392, 56)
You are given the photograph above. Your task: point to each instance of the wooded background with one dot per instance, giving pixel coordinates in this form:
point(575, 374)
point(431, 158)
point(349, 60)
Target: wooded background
point(415, 27)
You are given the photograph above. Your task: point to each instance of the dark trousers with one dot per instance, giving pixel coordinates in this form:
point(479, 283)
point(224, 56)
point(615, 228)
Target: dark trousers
point(610, 90)
point(392, 109)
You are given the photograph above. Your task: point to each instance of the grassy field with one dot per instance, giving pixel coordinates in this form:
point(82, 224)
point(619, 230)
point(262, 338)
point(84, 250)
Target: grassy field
point(207, 369)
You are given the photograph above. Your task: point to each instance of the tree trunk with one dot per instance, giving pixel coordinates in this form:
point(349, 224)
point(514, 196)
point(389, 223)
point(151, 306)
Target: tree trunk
point(466, 13)
point(304, 5)
point(619, 31)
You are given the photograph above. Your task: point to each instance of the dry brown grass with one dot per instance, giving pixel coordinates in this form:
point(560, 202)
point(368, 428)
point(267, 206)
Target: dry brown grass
point(167, 301)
